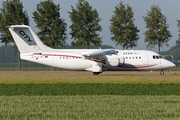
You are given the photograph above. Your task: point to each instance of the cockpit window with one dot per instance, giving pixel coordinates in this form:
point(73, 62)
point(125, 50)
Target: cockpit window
point(156, 57)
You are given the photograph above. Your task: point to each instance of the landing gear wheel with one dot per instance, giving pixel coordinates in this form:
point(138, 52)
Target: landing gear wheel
point(162, 73)
point(96, 73)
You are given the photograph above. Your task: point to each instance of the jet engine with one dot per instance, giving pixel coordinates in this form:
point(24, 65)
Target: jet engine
point(121, 60)
point(115, 61)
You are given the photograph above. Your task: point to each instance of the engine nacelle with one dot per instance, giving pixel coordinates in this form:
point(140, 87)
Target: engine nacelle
point(121, 60)
point(112, 61)
point(115, 61)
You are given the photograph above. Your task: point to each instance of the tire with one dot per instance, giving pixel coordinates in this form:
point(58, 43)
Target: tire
point(96, 73)
point(162, 73)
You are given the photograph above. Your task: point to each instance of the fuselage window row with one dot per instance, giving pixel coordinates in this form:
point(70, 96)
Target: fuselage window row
point(133, 57)
point(70, 57)
point(81, 58)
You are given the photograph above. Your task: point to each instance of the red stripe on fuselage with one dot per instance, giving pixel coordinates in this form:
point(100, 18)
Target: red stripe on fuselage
point(60, 55)
point(29, 55)
point(137, 66)
point(99, 61)
point(54, 55)
point(95, 60)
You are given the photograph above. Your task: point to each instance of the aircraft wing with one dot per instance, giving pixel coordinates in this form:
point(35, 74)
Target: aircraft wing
point(100, 53)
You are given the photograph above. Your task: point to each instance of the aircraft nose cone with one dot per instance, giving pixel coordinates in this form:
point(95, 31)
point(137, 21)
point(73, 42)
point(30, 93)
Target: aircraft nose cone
point(167, 64)
point(172, 64)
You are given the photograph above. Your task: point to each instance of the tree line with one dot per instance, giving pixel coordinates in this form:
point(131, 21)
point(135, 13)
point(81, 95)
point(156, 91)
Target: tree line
point(85, 25)
point(8, 54)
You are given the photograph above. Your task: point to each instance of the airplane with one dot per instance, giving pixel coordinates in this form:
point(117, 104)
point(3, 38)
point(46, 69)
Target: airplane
point(95, 60)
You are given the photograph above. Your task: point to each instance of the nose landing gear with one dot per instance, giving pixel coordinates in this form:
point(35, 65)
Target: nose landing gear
point(162, 73)
point(96, 73)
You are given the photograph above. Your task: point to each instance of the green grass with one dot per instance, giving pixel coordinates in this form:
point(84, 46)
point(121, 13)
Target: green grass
point(90, 107)
point(88, 89)
point(81, 95)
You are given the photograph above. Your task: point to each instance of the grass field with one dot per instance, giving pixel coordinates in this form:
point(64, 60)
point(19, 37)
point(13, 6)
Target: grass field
point(20, 104)
point(88, 89)
point(53, 77)
point(90, 107)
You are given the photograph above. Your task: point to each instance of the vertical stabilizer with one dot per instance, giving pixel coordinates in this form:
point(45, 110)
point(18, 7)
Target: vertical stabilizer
point(26, 40)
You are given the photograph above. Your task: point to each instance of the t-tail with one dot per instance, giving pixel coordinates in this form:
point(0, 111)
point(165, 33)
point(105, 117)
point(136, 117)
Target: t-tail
point(26, 40)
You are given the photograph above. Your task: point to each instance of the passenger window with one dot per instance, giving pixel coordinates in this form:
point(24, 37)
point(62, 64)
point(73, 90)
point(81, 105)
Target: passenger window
point(132, 57)
point(129, 57)
point(63, 57)
point(139, 57)
point(126, 57)
point(136, 57)
point(66, 57)
point(59, 57)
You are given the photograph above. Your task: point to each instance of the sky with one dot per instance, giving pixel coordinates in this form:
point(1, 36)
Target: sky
point(105, 8)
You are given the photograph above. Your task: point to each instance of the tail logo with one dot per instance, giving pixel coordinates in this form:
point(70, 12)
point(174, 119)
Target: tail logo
point(26, 37)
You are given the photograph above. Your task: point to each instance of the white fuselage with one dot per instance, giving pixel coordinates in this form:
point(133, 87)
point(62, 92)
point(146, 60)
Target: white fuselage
point(95, 60)
point(73, 59)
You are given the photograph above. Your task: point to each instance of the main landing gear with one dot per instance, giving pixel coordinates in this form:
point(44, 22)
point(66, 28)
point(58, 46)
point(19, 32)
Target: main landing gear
point(162, 73)
point(96, 73)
